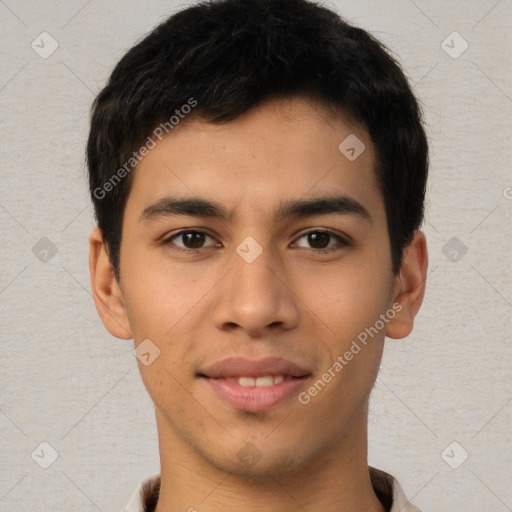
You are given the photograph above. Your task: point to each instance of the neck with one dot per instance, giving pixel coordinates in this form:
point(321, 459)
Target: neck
point(336, 481)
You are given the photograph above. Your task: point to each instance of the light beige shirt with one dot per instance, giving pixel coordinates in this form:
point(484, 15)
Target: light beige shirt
point(386, 487)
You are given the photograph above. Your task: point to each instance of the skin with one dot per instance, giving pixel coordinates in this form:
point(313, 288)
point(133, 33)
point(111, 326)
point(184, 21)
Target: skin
point(292, 302)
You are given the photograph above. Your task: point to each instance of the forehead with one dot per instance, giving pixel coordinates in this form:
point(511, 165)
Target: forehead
point(286, 148)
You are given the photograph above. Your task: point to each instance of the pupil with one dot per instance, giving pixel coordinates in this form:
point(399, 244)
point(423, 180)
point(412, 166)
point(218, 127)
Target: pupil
point(320, 239)
point(193, 238)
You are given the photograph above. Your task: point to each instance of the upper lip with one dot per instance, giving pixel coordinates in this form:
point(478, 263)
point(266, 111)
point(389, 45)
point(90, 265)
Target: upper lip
point(242, 367)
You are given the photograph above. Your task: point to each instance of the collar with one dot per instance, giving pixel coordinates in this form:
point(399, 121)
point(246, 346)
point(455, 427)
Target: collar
point(386, 487)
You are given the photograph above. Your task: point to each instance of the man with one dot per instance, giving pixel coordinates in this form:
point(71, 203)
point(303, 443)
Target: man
point(258, 172)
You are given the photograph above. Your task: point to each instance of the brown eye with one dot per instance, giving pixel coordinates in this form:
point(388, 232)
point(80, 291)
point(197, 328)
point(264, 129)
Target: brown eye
point(321, 241)
point(190, 240)
point(193, 239)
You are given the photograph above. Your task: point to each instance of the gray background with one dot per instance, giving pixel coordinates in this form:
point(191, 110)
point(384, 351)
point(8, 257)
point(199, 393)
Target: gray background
point(65, 381)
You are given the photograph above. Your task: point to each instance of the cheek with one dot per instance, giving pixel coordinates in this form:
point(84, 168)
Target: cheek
point(347, 299)
point(160, 296)
point(351, 346)
point(159, 309)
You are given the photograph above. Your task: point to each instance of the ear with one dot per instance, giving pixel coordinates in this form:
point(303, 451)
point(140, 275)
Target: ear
point(409, 287)
point(106, 292)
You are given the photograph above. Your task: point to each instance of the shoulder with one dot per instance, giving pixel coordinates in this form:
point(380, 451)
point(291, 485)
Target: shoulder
point(389, 492)
point(386, 487)
point(145, 497)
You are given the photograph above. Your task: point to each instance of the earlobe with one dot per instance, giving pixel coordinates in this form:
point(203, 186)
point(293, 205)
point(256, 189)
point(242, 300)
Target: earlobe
point(409, 287)
point(106, 292)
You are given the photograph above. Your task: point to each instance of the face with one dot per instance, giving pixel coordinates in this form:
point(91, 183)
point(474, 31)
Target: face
point(252, 292)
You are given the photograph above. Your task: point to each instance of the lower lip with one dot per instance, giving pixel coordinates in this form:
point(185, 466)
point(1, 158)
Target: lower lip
point(254, 398)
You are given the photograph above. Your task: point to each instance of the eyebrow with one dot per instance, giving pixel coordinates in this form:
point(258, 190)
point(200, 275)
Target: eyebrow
point(202, 207)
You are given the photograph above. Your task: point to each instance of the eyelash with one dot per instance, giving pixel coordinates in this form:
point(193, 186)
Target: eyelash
point(342, 241)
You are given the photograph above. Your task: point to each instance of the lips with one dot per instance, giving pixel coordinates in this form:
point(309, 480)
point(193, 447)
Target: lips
point(254, 386)
point(235, 367)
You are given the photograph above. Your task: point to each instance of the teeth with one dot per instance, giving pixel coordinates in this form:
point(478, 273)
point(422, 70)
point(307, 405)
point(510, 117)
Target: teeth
point(265, 381)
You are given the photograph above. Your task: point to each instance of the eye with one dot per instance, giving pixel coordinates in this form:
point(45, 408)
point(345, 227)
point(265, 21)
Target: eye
point(188, 241)
point(192, 241)
point(321, 241)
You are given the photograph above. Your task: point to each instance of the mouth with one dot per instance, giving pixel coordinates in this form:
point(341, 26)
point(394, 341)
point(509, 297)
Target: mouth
point(261, 382)
point(254, 386)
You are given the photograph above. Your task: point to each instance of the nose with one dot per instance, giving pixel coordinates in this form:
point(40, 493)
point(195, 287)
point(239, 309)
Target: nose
point(256, 297)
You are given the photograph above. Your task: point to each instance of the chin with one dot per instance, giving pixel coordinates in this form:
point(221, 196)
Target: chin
point(259, 464)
